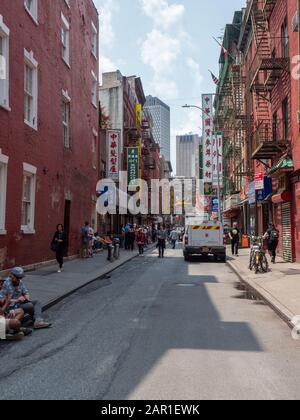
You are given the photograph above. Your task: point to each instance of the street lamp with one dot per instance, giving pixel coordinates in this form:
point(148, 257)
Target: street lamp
point(218, 173)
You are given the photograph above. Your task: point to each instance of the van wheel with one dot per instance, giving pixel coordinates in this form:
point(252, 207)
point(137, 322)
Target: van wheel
point(186, 258)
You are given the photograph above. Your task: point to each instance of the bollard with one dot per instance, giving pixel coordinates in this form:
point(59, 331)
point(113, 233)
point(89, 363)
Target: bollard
point(116, 249)
point(110, 252)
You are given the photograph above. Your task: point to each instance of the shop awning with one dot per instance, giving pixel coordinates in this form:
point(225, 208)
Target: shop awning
point(285, 164)
point(283, 197)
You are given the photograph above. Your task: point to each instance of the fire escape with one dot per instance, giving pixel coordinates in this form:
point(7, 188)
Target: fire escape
point(239, 123)
point(269, 136)
point(224, 124)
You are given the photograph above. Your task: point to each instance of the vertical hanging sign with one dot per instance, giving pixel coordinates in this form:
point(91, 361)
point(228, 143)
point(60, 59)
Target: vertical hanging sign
point(207, 106)
point(113, 158)
point(218, 159)
point(138, 115)
point(133, 159)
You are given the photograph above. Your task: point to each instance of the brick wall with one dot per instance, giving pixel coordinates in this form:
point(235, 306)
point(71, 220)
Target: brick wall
point(61, 173)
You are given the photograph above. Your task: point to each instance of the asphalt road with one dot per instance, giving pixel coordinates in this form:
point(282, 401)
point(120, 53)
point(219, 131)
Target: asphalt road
point(157, 329)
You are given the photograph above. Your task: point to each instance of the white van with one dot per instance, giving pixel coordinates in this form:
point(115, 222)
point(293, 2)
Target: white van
point(204, 238)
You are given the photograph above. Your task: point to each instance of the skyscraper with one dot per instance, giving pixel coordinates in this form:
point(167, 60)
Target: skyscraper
point(162, 124)
point(187, 151)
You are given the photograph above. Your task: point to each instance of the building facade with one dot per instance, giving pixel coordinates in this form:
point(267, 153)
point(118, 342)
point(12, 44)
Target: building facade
point(187, 155)
point(48, 125)
point(123, 103)
point(161, 124)
point(268, 52)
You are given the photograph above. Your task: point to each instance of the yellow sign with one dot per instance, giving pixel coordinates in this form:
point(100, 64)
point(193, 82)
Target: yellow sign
point(138, 114)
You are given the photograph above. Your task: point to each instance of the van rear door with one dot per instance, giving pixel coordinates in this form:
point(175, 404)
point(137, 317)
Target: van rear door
point(208, 234)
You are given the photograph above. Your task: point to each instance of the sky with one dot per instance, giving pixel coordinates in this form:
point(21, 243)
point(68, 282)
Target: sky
point(169, 45)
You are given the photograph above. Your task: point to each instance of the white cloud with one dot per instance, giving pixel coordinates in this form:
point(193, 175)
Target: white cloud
point(162, 13)
point(195, 70)
point(191, 124)
point(107, 8)
point(164, 88)
point(106, 65)
point(160, 51)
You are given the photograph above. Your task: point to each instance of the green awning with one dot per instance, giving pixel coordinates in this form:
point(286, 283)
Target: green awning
point(285, 164)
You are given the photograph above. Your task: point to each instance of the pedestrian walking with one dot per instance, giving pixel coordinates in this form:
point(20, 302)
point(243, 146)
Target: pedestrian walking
point(141, 240)
point(85, 240)
point(162, 238)
point(174, 238)
point(272, 237)
point(154, 235)
point(59, 245)
point(234, 236)
point(131, 237)
point(126, 231)
point(91, 242)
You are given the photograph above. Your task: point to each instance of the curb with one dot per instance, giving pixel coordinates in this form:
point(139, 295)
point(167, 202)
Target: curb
point(101, 277)
point(283, 313)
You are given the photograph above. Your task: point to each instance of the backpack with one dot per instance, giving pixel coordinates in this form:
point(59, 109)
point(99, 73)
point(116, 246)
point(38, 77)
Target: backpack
point(274, 235)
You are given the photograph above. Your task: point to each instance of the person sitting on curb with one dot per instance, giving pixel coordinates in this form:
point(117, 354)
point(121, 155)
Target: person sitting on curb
point(15, 290)
point(13, 318)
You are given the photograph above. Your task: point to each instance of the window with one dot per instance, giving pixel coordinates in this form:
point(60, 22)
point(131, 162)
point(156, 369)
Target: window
point(94, 40)
point(65, 40)
point(66, 108)
point(31, 7)
point(66, 124)
point(4, 64)
point(94, 89)
point(30, 90)
point(28, 199)
point(285, 39)
point(285, 114)
point(94, 149)
point(3, 184)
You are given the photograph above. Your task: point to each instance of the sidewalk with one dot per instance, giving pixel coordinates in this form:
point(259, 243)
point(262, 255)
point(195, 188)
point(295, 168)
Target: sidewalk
point(50, 287)
point(280, 288)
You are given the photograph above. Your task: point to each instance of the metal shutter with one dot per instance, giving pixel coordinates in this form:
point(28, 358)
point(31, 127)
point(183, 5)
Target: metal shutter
point(286, 232)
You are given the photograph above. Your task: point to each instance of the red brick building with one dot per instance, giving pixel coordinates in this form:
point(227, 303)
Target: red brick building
point(272, 107)
point(48, 125)
point(268, 55)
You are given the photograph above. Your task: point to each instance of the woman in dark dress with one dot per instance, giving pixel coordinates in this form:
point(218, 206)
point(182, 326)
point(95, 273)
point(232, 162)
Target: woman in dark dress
point(59, 244)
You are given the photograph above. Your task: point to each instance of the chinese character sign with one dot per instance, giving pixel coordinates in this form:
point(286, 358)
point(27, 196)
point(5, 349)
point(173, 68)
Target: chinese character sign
point(133, 164)
point(217, 151)
point(113, 158)
point(207, 106)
